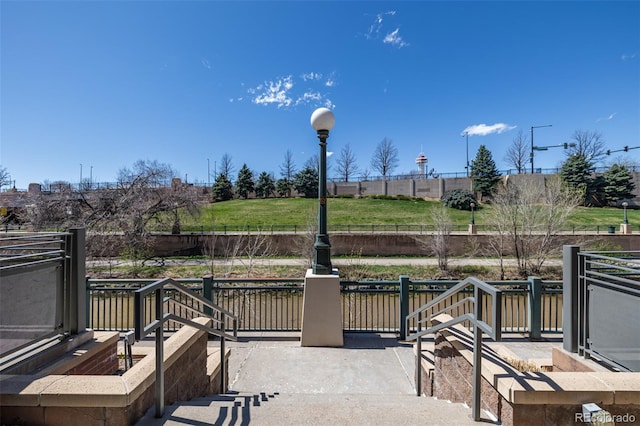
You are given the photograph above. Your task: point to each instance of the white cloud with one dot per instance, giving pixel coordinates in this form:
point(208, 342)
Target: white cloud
point(311, 76)
point(308, 97)
point(273, 92)
point(329, 154)
point(607, 118)
point(394, 39)
point(205, 63)
point(484, 129)
point(628, 56)
point(282, 93)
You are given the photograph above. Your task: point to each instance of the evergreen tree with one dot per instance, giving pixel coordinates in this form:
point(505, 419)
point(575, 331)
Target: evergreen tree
point(306, 182)
point(617, 184)
point(222, 189)
point(283, 187)
point(484, 173)
point(265, 186)
point(576, 173)
point(244, 183)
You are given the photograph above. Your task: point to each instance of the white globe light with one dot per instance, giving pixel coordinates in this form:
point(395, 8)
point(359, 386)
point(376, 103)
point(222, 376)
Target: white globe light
point(322, 119)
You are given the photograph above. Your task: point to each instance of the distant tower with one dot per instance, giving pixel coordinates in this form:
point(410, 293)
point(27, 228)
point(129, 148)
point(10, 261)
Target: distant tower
point(422, 161)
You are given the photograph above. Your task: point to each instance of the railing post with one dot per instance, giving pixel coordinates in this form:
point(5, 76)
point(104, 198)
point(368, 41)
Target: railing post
point(223, 357)
point(535, 308)
point(159, 385)
point(477, 355)
point(570, 298)
point(404, 305)
point(89, 303)
point(418, 367)
point(78, 275)
point(207, 292)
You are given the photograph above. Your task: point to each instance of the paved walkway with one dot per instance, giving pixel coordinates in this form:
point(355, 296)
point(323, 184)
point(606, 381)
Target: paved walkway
point(275, 381)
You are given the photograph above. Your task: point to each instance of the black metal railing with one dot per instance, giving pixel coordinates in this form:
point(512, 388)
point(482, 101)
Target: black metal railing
point(367, 306)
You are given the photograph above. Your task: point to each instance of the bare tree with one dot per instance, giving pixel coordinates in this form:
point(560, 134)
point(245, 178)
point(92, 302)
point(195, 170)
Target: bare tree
point(313, 162)
point(385, 158)
point(226, 166)
point(518, 152)
point(288, 167)
point(346, 163)
point(590, 144)
point(255, 246)
point(440, 239)
point(304, 242)
point(5, 177)
point(528, 216)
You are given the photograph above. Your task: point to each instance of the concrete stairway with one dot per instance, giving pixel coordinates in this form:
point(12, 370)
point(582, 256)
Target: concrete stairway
point(275, 381)
point(312, 409)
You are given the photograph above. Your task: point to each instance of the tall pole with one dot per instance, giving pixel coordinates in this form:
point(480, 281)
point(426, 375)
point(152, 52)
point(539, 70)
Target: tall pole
point(531, 155)
point(208, 173)
point(80, 172)
point(322, 246)
point(467, 135)
point(322, 121)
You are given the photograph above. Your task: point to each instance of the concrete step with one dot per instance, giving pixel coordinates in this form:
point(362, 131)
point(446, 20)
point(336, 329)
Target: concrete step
point(312, 409)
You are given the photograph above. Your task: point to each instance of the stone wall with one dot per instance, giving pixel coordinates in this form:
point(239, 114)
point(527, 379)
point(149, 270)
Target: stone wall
point(517, 398)
point(112, 399)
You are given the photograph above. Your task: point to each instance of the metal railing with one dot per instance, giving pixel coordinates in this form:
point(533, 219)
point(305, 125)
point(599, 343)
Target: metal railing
point(39, 287)
point(363, 228)
point(148, 321)
point(532, 306)
point(474, 312)
point(608, 296)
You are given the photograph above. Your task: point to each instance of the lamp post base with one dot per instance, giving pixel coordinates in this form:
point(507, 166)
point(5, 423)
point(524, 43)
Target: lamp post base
point(322, 256)
point(472, 229)
point(321, 314)
point(625, 228)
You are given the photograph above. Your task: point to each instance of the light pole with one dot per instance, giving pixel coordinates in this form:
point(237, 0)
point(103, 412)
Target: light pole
point(208, 174)
point(322, 121)
point(467, 136)
point(473, 220)
point(625, 220)
point(531, 155)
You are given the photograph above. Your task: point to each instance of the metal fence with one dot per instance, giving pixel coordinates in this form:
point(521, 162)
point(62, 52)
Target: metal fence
point(608, 296)
point(367, 306)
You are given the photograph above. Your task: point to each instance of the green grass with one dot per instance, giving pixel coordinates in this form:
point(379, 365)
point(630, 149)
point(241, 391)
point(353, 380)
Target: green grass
point(364, 211)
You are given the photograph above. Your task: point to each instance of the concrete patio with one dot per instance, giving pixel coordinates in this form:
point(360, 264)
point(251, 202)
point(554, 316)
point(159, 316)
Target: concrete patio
point(275, 381)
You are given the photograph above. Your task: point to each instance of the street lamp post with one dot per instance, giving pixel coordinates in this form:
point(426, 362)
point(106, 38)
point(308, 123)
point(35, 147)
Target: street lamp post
point(473, 220)
point(472, 224)
point(466, 134)
point(625, 219)
point(322, 120)
point(531, 155)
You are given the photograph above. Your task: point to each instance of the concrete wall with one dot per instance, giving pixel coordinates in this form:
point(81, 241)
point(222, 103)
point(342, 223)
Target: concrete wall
point(433, 188)
point(395, 244)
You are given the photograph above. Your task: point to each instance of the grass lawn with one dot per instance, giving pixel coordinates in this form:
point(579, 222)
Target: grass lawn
point(349, 211)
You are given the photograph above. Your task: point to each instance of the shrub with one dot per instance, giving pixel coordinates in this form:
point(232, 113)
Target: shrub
point(460, 199)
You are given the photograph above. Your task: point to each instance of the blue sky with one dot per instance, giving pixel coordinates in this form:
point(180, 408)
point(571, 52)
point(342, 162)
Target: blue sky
point(103, 84)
